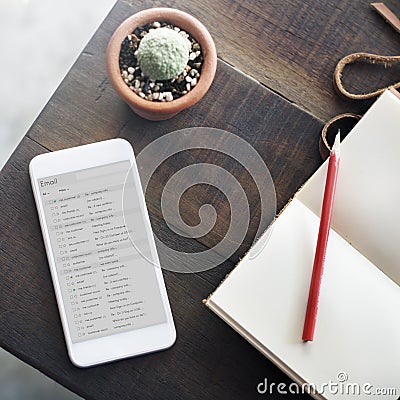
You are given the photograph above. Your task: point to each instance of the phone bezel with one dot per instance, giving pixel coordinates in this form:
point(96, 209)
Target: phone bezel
point(121, 345)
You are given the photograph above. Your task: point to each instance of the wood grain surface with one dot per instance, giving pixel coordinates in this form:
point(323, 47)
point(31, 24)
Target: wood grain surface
point(292, 46)
point(272, 89)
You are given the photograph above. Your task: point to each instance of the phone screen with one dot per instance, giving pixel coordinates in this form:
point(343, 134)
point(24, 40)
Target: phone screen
point(101, 250)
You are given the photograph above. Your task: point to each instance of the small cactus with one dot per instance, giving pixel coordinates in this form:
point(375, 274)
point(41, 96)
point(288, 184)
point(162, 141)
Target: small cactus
point(163, 54)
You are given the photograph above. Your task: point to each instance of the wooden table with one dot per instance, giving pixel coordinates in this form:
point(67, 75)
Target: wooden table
point(272, 88)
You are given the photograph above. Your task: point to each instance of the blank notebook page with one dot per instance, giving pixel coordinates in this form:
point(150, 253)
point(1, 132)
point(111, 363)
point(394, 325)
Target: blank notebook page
point(367, 202)
point(358, 325)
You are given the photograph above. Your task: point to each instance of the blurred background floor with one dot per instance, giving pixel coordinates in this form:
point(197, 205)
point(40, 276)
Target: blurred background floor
point(40, 40)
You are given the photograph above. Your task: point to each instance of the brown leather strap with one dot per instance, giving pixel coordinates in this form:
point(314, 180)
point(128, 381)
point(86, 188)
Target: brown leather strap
point(390, 17)
point(387, 61)
point(344, 123)
point(362, 57)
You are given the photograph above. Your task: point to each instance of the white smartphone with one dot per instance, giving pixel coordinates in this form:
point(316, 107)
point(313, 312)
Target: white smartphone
point(102, 256)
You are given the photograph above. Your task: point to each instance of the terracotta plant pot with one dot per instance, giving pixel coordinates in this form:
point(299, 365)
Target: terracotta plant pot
point(152, 110)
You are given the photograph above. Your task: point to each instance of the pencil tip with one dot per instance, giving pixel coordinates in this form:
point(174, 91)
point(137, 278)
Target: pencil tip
point(336, 144)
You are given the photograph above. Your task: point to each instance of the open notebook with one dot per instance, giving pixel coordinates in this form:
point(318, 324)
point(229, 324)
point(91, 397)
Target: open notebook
point(357, 337)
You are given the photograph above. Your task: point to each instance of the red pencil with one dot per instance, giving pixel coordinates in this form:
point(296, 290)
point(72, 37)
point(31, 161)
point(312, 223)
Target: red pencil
point(324, 227)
